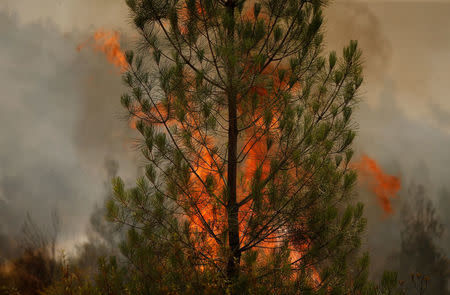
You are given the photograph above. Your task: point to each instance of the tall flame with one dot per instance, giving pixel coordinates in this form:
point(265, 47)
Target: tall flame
point(108, 43)
point(385, 186)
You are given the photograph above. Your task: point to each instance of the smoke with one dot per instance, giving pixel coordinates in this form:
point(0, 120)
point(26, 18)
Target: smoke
point(403, 117)
point(70, 15)
point(408, 148)
point(39, 110)
point(347, 21)
point(404, 42)
point(60, 118)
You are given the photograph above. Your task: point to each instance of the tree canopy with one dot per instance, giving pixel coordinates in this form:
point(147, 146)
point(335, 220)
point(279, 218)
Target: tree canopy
point(247, 134)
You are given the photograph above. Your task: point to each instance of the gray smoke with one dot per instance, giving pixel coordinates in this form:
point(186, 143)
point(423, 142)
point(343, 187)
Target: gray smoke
point(404, 115)
point(60, 116)
point(70, 15)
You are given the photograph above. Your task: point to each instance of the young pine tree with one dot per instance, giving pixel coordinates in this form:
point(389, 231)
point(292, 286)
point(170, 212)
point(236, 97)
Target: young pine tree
point(246, 130)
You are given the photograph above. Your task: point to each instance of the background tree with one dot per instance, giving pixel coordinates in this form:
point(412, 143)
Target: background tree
point(103, 236)
point(421, 261)
point(36, 267)
point(246, 131)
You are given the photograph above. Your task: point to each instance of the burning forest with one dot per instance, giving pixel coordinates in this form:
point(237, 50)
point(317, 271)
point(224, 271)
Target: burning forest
point(247, 181)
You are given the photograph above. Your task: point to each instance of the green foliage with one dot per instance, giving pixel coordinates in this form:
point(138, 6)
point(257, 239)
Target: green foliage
point(245, 124)
point(206, 56)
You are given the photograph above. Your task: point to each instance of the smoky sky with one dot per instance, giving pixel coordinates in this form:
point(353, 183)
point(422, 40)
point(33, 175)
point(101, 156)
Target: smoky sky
point(403, 115)
point(69, 15)
point(60, 116)
point(59, 121)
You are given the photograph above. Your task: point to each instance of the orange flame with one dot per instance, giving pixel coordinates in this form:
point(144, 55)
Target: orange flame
point(383, 185)
point(108, 43)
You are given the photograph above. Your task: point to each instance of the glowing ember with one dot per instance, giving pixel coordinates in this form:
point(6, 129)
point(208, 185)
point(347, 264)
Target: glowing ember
point(383, 185)
point(108, 43)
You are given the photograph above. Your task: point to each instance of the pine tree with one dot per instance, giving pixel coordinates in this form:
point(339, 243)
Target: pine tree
point(247, 133)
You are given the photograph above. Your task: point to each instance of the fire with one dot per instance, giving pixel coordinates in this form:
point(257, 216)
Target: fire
point(207, 214)
point(383, 185)
point(107, 43)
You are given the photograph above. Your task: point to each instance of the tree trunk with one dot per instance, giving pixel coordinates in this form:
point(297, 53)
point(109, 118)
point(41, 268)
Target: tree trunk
point(232, 206)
